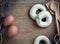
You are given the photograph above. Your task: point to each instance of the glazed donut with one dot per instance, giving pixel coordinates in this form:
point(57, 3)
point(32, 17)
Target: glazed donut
point(34, 10)
point(42, 38)
point(40, 16)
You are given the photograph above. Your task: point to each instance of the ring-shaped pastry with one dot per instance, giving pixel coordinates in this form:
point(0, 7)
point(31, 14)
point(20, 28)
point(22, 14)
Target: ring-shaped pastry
point(42, 38)
point(34, 9)
point(42, 15)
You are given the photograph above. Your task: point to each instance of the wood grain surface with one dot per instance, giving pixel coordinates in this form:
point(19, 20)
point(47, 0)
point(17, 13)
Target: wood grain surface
point(27, 28)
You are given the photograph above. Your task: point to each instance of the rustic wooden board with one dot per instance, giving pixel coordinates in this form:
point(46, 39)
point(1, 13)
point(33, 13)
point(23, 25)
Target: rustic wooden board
point(27, 28)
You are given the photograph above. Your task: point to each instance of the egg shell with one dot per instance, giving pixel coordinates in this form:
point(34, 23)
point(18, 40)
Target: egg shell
point(12, 31)
point(8, 20)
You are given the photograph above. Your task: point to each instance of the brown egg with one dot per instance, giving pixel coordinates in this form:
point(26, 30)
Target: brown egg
point(12, 31)
point(8, 20)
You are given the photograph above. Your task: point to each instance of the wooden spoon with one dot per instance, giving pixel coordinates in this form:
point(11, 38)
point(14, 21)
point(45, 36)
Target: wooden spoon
point(54, 6)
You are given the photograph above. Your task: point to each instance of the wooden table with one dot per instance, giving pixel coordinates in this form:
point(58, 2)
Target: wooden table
point(27, 28)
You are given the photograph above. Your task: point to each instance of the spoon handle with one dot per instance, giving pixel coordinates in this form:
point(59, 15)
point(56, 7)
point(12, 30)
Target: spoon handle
point(57, 24)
